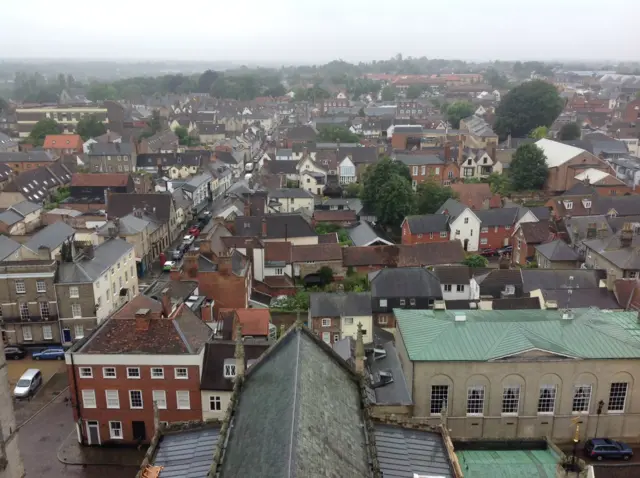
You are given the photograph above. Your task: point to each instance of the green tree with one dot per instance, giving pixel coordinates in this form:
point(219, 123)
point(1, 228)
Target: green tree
point(155, 123)
point(527, 106)
point(459, 110)
point(206, 81)
point(569, 132)
point(352, 190)
point(376, 175)
point(360, 113)
point(499, 184)
point(540, 132)
point(275, 91)
point(184, 138)
point(337, 133)
point(41, 129)
point(387, 191)
point(413, 92)
point(388, 93)
point(496, 79)
point(475, 260)
point(430, 195)
point(90, 127)
point(292, 303)
point(101, 92)
point(528, 169)
point(326, 275)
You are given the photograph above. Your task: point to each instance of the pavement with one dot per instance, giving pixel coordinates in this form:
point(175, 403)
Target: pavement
point(26, 409)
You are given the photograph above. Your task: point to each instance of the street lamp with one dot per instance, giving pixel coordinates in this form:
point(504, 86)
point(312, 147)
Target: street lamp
point(599, 412)
point(576, 439)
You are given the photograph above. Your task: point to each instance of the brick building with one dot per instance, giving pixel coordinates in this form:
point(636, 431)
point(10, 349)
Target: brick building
point(631, 112)
point(150, 351)
point(423, 167)
point(525, 238)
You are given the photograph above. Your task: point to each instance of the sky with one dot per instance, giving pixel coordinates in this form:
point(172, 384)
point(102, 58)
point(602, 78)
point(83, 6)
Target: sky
point(318, 31)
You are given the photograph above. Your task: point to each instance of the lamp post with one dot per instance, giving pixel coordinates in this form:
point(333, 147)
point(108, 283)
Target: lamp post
point(599, 412)
point(576, 439)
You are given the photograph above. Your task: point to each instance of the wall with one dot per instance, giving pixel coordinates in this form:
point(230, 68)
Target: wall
point(465, 294)
point(352, 330)
point(409, 238)
point(207, 413)
point(561, 178)
point(469, 231)
point(421, 174)
point(496, 236)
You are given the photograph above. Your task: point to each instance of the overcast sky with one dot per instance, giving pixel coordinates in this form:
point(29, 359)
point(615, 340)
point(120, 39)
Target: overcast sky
point(312, 31)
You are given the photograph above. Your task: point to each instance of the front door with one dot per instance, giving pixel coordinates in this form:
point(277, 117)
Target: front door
point(93, 432)
point(139, 431)
point(466, 244)
point(66, 335)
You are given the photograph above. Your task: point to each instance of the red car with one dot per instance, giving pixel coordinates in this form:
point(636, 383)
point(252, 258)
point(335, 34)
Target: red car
point(490, 252)
point(194, 231)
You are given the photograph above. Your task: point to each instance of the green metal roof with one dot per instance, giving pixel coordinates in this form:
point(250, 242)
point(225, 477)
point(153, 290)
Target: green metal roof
point(435, 335)
point(508, 464)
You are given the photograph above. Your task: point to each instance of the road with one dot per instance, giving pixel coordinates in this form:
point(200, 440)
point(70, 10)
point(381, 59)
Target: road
point(40, 439)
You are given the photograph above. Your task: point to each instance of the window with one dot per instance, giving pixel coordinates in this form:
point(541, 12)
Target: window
point(20, 287)
point(484, 230)
point(466, 220)
point(430, 235)
point(113, 398)
point(507, 228)
point(76, 311)
point(181, 373)
point(336, 337)
point(133, 372)
point(73, 292)
point(519, 243)
point(581, 398)
point(547, 399)
point(450, 175)
point(120, 282)
point(47, 332)
point(383, 319)
point(457, 232)
point(135, 399)
point(443, 234)
point(215, 404)
point(160, 397)
point(108, 372)
point(348, 321)
point(326, 337)
point(41, 286)
point(230, 369)
point(419, 236)
point(509, 289)
point(89, 398)
point(447, 287)
point(126, 276)
point(412, 301)
point(24, 311)
point(157, 372)
point(423, 170)
point(483, 241)
point(617, 396)
point(326, 322)
point(475, 400)
point(437, 171)
point(460, 288)
point(510, 399)
point(86, 372)
point(26, 333)
point(115, 430)
point(415, 170)
point(439, 398)
point(279, 271)
point(44, 310)
point(383, 302)
point(183, 400)
point(402, 302)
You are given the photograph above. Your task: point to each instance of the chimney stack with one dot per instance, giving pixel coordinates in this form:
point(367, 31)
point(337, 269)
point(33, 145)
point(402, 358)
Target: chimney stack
point(359, 351)
point(626, 235)
point(165, 300)
point(447, 152)
point(190, 263)
point(611, 279)
point(224, 264)
point(592, 230)
point(143, 320)
point(239, 353)
point(247, 207)
point(263, 229)
point(603, 231)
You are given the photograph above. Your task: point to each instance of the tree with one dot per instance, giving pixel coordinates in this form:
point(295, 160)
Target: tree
point(3, 105)
point(457, 111)
point(430, 195)
point(43, 128)
point(528, 168)
point(352, 190)
point(569, 132)
point(376, 175)
point(184, 138)
point(496, 79)
point(499, 184)
point(275, 91)
point(206, 81)
point(527, 106)
point(540, 132)
point(388, 93)
point(475, 260)
point(360, 112)
point(292, 303)
point(326, 275)
point(90, 127)
point(413, 92)
point(101, 92)
point(387, 192)
point(155, 123)
point(337, 133)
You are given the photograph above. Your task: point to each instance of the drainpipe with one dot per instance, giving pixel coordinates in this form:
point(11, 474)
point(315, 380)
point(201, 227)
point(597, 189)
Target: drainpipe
point(78, 407)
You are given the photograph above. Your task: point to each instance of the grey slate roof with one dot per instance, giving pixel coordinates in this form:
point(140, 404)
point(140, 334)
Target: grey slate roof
point(291, 193)
point(396, 392)
point(557, 250)
point(129, 225)
point(196, 181)
point(10, 217)
point(299, 412)
point(26, 207)
point(323, 304)
point(627, 258)
point(533, 279)
point(187, 454)
point(30, 157)
point(405, 282)
point(405, 453)
point(601, 298)
point(278, 226)
point(7, 247)
point(428, 223)
point(51, 236)
point(363, 235)
point(110, 149)
point(282, 167)
point(503, 216)
point(359, 154)
point(452, 207)
point(419, 159)
point(105, 256)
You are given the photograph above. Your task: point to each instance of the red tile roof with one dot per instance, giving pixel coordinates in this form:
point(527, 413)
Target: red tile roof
point(277, 251)
point(477, 196)
point(63, 141)
point(100, 179)
point(317, 253)
point(254, 322)
point(338, 215)
point(627, 292)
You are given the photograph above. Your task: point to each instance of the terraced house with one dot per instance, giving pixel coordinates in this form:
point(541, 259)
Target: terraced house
point(525, 373)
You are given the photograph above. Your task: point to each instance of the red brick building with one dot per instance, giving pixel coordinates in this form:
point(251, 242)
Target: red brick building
point(423, 167)
point(132, 360)
point(428, 228)
point(525, 238)
point(631, 112)
point(61, 144)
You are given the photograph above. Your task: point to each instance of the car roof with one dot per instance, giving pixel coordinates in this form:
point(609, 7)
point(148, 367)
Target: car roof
point(30, 373)
point(602, 441)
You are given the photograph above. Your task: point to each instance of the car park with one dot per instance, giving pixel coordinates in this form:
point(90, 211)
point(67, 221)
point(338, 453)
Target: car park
point(28, 383)
point(52, 353)
point(601, 448)
point(14, 352)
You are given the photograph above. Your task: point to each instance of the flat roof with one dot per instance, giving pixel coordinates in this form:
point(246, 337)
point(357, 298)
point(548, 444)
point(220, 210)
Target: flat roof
point(508, 463)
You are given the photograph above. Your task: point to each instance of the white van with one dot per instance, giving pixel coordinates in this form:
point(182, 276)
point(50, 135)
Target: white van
point(28, 383)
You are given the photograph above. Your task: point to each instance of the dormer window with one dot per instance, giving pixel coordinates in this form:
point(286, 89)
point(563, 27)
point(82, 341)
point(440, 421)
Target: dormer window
point(568, 204)
point(229, 368)
point(586, 203)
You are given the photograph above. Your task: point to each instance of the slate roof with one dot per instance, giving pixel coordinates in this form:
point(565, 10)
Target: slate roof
point(494, 281)
point(533, 279)
point(166, 160)
point(295, 193)
point(121, 204)
point(7, 246)
point(535, 232)
point(278, 226)
point(105, 256)
point(487, 335)
point(428, 223)
point(405, 282)
point(100, 180)
point(301, 133)
point(323, 304)
point(128, 225)
point(419, 159)
point(317, 404)
point(602, 298)
point(10, 217)
point(543, 213)
point(317, 253)
point(502, 216)
point(363, 234)
point(187, 454)
point(359, 154)
point(216, 352)
point(25, 207)
point(35, 184)
point(557, 250)
point(110, 149)
point(452, 207)
point(436, 253)
point(51, 236)
point(456, 274)
point(281, 167)
point(30, 157)
point(627, 258)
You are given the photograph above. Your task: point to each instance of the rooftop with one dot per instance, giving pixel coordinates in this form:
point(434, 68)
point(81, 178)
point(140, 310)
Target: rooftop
point(508, 463)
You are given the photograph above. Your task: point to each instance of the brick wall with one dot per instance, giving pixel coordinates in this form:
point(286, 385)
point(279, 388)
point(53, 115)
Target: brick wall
point(409, 238)
point(333, 329)
point(336, 266)
point(495, 236)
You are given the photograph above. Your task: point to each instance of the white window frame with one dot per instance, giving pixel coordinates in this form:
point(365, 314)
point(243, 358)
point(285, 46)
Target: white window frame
point(217, 400)
point(118, 435)
point(86, 372)
point(21, 287)
point(383, 320)
point(515, 400)
point(483, 241)
point(112, 398)
point(41, 286)
point(89, 399)
point(180, 398)
point(27, 334)
point(447, 287)
point(178, 376)
point(547, 410)
point(383, 302)
point(160, 398)
point(466, 220)
point(76, 311)
point(443, 234)
point(348, 321)
point(133, 376)
point(438, 391)
point(105, 372)
point(47, 332)
point(74, 293)
point(157, 373)
point(459, 287)
point(617, 397)
point(484, 230)
point(474, 401)
point(229, 370)
point(326, 337)
point(131, 400)
point(581, 400)
point(326, 322)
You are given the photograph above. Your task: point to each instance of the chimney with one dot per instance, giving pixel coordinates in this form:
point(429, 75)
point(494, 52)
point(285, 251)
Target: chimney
point(359, 351)
point(263, 229)
point(239, 353)
point(602, 231)
point(247, 207)
point(190, 263)
point(626, 235)
point(592, 230)
point(224, 264)
point(447, 152)
point(611, 279)
point(492, 151)
point(143, 320)
point(165, 299)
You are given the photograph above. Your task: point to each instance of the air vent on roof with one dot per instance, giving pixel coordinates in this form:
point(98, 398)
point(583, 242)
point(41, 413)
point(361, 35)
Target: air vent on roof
point(552, 304)
point(460, 317)
point(439, 305)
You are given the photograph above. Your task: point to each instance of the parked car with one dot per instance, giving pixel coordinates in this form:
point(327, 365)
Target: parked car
point(167, 266)
point(489, 252)
point(601, 448)
point(52, 353)
point(506, 250)
point(14, 352)
point(194, 231)
point(188, 239)
point(28, 383)
point(177, 254)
